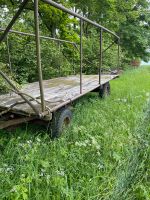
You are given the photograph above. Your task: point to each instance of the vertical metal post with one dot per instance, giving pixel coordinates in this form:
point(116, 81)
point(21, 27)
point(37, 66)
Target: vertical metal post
point(118, 64)
point(38, 53)
point(59, 44)
point(8, 51)
point(73, 62)
point(101, 54)
point(81, 54)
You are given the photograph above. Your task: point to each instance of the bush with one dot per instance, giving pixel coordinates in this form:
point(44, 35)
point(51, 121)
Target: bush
point(4, 86)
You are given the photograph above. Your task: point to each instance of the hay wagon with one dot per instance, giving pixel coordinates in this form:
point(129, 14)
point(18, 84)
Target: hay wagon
point(49, 100)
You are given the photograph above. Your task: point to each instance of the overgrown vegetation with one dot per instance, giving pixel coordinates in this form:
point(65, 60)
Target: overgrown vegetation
point(4, 86)
point(133, 175)
point(103, 155)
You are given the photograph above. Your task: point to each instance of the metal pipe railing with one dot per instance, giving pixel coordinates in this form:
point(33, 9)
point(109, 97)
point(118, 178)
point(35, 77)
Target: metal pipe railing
point(109, 46)
point(101, 54)
point(42, 37)
point(118, 53)
point(8, 51)
point(18, 92)
point(38, 53)
point(56, 5)
point(3, 36)
point(102, 28)
point(81, 54)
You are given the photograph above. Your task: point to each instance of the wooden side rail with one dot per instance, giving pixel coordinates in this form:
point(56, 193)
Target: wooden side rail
point(13, 122)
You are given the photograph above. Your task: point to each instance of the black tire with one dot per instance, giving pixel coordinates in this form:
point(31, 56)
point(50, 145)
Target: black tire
point(104, 90)
point(60, 121)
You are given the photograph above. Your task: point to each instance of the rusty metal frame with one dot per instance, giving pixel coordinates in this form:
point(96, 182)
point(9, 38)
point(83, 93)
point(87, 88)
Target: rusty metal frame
point(38, 53)
point(59, 6)
point(3, 36)
point(42, 37)
point(81, 54)
point(118, 53)
point(109, 46)
point(8, 51)
point(18, 92)
point(102, 29)
point(101, 54)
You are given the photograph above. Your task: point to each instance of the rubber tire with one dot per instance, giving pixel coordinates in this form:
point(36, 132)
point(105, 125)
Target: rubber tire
point(59, 118)
point(104, 90)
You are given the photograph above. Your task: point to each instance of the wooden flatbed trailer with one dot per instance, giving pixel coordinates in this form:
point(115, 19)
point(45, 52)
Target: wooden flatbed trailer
point(48, 100)
point(59, 93)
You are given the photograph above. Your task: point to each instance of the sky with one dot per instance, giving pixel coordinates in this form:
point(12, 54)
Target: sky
point(144, 63)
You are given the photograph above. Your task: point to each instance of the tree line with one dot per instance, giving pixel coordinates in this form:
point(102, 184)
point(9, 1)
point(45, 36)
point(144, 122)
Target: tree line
point(129, 19)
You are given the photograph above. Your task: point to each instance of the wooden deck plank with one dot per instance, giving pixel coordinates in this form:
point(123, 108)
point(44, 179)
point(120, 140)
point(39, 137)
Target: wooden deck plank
point(56, 91)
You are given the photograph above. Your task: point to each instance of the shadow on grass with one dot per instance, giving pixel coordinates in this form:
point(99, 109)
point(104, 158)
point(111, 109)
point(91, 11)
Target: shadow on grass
point(30, 129)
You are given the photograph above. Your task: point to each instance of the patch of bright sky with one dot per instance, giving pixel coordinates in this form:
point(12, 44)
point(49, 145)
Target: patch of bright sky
point(145, 63)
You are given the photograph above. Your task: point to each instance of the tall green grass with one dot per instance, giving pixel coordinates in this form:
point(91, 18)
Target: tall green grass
point(103, 154)
point(133, 177)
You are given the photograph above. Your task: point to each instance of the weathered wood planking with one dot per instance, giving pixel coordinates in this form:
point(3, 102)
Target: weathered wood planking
point(57, 91)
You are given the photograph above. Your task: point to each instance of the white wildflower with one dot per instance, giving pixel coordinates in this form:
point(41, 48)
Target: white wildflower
point(60, 172)
point(80, 144)
point(48, 176)
point(29, 142)
point(23, 175)
point(95, 143)
point(38, 140)
point(100, 166)
point(42, 173)
point(9, 170)
point(21, 145)
point(124, 100)
point(13, 189)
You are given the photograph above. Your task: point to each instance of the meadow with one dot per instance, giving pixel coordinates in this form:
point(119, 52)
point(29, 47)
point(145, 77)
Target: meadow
point(104, 154)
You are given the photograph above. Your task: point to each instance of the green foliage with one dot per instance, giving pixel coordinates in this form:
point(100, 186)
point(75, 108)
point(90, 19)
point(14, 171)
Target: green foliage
point(4, 86)
point(55, 19)
point(133, 175)
point(130, 20)
point(91, 53)
point(23, 59)
point(135, 39)
point(54, 61)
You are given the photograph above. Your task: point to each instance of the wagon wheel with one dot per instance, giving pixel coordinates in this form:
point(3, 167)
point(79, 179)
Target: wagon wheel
point(60, 122)
point(104, 90)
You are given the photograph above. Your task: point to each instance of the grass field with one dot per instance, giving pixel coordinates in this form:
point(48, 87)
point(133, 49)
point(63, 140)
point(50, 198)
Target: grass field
point(105, 153)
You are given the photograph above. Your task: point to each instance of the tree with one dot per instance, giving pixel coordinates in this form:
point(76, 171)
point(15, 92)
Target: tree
point(135, 31)
point(130, 19)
